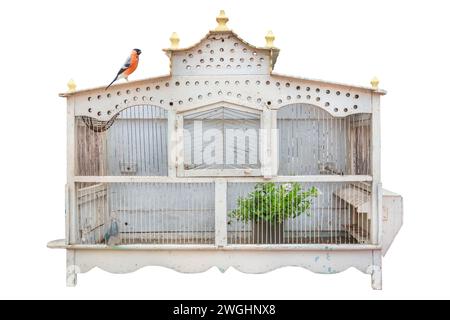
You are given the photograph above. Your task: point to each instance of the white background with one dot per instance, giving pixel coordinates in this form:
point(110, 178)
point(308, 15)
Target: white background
point(45, 43)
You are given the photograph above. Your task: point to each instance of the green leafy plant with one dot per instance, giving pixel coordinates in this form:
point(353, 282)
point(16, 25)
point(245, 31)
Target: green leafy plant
point(274, 203)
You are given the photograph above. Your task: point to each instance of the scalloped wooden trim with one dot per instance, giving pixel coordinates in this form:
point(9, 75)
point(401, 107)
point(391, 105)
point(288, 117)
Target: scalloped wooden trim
point(247, 261)
point(200, 258)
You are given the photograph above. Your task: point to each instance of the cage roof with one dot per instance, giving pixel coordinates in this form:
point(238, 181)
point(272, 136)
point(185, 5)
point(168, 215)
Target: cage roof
point(179, 66)
point(223, 68)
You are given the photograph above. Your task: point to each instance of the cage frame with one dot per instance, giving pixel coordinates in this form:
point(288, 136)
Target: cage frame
point(166, 92)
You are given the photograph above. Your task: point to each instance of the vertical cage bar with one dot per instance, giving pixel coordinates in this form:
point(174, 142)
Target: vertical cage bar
point(71, 210)
point(221, 213)
point(376, 208)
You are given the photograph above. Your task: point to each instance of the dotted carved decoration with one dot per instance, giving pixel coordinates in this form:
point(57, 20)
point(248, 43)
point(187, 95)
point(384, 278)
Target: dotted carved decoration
point(221, 54)
point(247, 90)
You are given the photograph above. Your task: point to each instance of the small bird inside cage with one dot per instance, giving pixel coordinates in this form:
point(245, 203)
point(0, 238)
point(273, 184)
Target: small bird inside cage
point(112, 234)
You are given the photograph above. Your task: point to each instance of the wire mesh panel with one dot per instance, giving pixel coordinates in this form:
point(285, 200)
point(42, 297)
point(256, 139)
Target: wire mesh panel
point(298, 213)
point(312, 142)
point(147, 213)
point(92, 209)
point(134, 144)
point(222, 138)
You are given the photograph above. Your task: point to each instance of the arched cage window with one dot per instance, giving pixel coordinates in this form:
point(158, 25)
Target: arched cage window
point(313, 142)
point(134, 142)
point(221, 139)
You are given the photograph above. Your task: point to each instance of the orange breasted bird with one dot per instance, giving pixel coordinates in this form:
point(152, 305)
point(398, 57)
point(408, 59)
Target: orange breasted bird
point(128, 67)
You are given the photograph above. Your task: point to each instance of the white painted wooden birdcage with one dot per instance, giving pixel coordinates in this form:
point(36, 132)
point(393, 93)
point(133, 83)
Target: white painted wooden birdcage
point(225, 163)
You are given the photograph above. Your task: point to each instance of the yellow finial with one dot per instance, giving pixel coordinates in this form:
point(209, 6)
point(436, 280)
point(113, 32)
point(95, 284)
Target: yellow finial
point(174, 40)
point(270, 38)
point(375, 82)
point(222, 20)
point(71, 85)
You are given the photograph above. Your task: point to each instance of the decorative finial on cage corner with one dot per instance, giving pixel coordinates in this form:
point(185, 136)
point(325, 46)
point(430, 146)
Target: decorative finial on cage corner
point(71, 85)
point(375, 82)
point(174, 41)
point(270, 38)
point(222, 20)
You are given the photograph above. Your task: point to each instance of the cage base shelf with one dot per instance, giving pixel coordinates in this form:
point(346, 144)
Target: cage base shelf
point(248, 259)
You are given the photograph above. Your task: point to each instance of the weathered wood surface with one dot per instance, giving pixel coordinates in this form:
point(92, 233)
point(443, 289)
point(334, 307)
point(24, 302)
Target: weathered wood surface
point(247, 260)
point(392, 218)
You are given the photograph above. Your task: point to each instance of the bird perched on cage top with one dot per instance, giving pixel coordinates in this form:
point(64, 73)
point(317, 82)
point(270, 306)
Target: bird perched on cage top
point(128, 67)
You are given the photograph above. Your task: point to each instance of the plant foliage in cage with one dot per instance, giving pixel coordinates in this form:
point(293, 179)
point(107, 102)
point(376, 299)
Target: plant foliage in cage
point(269, 205)
point(274, 203)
